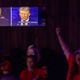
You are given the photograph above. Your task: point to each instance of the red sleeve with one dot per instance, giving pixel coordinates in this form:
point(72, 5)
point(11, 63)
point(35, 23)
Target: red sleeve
point(71, 60)
point(70, 64)
point(42, 72)
point(26, 75)
point(22, 76)
point(77, 77)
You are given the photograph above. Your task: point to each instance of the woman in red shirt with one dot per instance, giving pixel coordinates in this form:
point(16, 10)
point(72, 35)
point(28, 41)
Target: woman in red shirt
point(31, 72)
point(73, 59)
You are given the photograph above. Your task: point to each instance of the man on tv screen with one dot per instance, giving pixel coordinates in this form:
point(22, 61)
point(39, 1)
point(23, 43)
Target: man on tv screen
point(26, 16)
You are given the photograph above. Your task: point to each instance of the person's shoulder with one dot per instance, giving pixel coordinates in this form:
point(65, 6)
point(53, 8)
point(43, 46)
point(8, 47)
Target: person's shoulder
point(32, 23)
point(41, 69)
point(41, 72)
point(23, 71)
point(16, 22)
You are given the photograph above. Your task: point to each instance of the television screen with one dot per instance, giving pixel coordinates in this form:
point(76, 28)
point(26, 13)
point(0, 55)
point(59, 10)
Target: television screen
point(21, 16)
point(27, 16)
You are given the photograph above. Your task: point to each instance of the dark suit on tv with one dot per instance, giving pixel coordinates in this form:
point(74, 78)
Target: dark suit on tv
point(29, 23)
point(17, 22)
